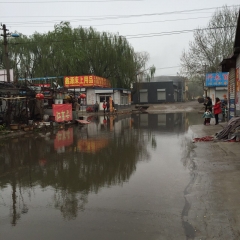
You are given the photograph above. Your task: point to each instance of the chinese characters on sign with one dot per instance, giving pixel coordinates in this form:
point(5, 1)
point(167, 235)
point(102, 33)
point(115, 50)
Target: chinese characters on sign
point(62, 112)
point(217, 79)
point(86, 81)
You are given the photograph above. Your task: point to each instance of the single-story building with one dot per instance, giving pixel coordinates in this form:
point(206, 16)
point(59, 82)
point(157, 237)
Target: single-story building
point(161, 90)
point(121, 97)
point(216, 85)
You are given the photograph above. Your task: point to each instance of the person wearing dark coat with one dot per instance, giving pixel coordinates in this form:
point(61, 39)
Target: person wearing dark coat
point(208, 106)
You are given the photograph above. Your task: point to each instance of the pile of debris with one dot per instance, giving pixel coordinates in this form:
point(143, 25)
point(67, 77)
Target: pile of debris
point(231, 131)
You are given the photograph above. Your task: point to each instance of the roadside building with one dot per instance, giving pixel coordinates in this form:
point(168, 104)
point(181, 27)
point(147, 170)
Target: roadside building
point(216, 85)
point(232, 65)
point(120, 96)
point(161, 89)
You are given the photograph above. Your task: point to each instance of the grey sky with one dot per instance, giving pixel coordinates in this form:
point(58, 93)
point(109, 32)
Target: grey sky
point(153, 16)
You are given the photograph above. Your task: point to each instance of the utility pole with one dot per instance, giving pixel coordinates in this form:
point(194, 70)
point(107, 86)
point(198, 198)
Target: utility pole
point(205, 72)
point(5, 34)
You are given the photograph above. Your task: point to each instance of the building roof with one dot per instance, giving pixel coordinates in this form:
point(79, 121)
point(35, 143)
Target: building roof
point(167, 79)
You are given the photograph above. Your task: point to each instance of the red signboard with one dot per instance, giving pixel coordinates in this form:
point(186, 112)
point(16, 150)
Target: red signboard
point(63, 138)
point(86, 81)
point(62, 112)
point(237, 79)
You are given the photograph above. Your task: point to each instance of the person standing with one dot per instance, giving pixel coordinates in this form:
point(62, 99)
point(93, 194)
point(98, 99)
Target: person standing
point(104, 107)
point(96, 106)
point(208, 106)
point(207, 116)
point(217, 109)
point(108, 106)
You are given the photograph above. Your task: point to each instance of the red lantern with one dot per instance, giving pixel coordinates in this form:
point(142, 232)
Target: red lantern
point(82, 95)
point(39, 96)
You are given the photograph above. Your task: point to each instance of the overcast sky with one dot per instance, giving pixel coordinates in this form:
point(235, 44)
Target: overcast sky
point(141, 21)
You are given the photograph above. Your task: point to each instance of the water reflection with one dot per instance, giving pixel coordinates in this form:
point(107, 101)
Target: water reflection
point(167, 122)
point(73, 162)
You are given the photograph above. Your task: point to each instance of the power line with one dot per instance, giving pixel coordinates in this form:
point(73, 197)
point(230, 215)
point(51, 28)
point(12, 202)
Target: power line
point(91, 18)
point(95, 1)
point(133, 36)
point(128, 23)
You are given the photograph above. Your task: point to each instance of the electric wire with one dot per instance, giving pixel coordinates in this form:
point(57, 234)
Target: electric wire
point(128, 23)
point(90, 18)
point(128, 36)
point(74, 1)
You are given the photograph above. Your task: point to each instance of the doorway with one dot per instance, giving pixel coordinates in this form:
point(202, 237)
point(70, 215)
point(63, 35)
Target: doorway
point(103, 98)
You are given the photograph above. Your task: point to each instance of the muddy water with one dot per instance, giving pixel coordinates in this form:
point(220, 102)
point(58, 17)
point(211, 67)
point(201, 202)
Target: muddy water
point(115, 178)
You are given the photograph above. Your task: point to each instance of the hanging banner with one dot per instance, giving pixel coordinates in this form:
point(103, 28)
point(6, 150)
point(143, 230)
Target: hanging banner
point(217, 79)
point(62, 112)
point(86, 81)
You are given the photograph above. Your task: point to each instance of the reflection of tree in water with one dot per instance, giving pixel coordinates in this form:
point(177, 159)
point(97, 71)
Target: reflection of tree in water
point(72, 174)
point(69, 203)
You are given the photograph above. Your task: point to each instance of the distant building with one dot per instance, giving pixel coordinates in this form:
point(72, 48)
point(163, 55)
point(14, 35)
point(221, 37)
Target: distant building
point(161, 89)
point(3, 75)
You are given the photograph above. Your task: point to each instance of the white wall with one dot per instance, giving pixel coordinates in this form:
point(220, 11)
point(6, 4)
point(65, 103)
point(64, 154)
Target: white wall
point(91, 97)
point(116, 97)
point(3, 75)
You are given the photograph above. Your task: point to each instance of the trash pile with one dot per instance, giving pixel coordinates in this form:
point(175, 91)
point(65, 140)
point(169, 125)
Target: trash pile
point(231, 132)
point(203, 139)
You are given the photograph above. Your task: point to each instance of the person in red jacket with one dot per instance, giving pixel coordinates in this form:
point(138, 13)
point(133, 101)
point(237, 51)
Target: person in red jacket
point(104, 106)
point(217, 109)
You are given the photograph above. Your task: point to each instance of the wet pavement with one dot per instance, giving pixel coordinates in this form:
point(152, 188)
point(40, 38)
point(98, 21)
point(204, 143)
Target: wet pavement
point(134, 176)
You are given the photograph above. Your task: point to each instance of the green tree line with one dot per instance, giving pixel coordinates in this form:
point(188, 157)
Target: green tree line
point(72, 52)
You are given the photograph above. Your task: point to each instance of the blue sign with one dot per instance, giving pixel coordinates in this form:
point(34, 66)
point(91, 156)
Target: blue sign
point(217, 79)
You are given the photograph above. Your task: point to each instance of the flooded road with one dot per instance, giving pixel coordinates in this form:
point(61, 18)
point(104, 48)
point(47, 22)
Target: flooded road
point(115, 178)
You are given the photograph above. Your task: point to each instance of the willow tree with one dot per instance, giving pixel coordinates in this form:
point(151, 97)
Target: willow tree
point(80, 51)
point(210, 46)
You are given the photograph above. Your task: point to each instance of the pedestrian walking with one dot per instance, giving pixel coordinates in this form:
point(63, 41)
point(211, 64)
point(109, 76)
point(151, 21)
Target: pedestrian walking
point(217, 109)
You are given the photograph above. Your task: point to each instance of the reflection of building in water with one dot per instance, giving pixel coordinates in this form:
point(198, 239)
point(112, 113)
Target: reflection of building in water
point(169, 122)
point(94, 138)
point(115, 124)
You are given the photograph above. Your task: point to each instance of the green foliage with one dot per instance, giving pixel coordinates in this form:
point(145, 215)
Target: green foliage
point(2, 127)
point(69, 52)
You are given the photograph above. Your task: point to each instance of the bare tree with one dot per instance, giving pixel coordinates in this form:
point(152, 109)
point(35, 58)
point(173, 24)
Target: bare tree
point(210, 45)
point(143, 73)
